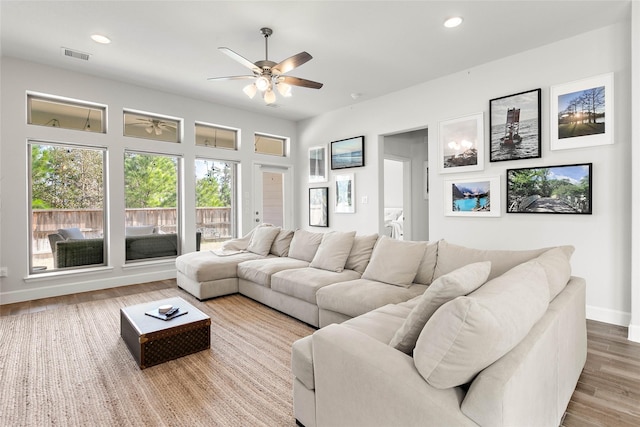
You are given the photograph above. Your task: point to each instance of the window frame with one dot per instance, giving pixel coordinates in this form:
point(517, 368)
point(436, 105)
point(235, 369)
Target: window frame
point(236, 138)
point(285, 144)
point(68, 102)
point(165, 119)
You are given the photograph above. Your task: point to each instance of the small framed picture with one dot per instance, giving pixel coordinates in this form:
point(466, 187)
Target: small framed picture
point(319, 207)
point(345, 194)
point(515, 128)
point(582, 113)
point(479, 197)
point(318, 164)
point(461, 143)
point(562, 189)
point(347, 153)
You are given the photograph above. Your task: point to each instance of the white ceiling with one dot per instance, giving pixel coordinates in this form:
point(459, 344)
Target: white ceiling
point(366, 47)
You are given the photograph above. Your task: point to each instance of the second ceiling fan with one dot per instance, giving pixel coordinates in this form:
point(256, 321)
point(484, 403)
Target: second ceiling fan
point(269, 75)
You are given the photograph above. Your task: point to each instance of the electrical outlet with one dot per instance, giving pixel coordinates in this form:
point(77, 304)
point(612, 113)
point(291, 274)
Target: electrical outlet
point(365, 200)
point(3, 272)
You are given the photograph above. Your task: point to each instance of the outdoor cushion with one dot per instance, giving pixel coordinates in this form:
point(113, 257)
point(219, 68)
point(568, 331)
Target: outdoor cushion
point(359, 296)
point(281, 243)
point(361, 252)
point(71, 233)
point(333, 251)
point(451, 257)
point(395, 261)
point(466, 335)
point(138, 230)
point(303, 283)
point(260, 271)
point(262, 240)
point(304, 245)
point(445, 288)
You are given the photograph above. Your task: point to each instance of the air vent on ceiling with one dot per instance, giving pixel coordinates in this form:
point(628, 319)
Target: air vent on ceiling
point(272, 105)
point(75, 53)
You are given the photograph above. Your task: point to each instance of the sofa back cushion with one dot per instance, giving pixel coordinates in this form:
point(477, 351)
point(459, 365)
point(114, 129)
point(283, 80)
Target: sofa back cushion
point(451, 257)
point(304, 245)
point(333, 251)
point(427, 266)
point(459, 282)
point(361, 252)
point(395, 261)
point(281, 243)
point(469, 333)
point(71, 233)
point(262, 240)
point(557, 268)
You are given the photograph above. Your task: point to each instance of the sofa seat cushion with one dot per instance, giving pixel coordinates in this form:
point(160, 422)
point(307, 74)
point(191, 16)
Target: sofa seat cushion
point(206, 266)
point(380, 324)
point(260, 271)
point(469, 333)
point(303, 283)
point(360, 296)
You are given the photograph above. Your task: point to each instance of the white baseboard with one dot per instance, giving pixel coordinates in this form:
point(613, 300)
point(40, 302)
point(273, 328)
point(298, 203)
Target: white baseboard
point(606, 315)
point(634, 333)
point(84, 286)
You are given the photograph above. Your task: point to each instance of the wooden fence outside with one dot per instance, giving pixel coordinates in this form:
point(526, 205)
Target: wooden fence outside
point(213, 223)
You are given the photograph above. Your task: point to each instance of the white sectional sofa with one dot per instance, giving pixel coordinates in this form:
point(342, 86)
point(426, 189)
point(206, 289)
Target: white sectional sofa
point(412, 333)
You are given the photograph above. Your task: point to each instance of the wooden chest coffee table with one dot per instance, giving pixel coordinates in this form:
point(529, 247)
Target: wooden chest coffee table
point(153, 341)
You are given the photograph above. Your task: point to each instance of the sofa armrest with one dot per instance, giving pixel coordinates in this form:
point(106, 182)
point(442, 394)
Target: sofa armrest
point(361, 381)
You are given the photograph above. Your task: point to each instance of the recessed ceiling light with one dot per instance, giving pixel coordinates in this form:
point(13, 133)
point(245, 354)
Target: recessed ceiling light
point(99, 38)
point(453, 22)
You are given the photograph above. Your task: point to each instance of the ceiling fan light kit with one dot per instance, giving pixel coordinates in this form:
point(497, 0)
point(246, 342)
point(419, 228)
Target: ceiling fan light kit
point(268, 74)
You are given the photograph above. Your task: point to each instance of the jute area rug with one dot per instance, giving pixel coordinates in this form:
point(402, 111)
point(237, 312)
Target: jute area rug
point(70, 367)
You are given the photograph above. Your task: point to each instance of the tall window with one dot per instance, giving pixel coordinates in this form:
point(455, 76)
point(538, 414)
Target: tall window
point(151, 206)
point(215, 201)
point(67, 206)
point(267, 144)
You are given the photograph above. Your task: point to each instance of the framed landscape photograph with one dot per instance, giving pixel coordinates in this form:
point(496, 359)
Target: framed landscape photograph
point(479, 197)
point(562, 189)
point(347, 153)
point(345, 194)
point(581, 113)
point(318, 164)
point(319, 207)
point(514, 126)
point(461, 144)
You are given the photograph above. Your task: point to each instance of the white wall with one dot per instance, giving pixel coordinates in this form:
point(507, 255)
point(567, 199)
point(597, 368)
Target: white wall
point(18, 77)
point(602, 240)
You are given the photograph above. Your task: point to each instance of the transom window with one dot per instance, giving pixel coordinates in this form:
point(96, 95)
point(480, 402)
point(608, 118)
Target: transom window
point(216, 136)
point(149, 126)
point(268, 144)
point(43, 110)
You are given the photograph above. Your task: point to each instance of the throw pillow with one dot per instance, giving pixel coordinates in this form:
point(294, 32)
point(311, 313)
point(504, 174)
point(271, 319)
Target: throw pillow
point(459, 282)
point(361, 252)
point(281, 243)
point(557, 268)
point(395, 261)
point(262, 240)
point(304, 245)
point(71, 233)
point(333, 251)
point(466, 335)
point(140, 230)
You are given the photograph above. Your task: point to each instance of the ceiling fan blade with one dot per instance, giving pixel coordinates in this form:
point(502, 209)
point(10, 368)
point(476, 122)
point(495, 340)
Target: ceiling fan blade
point(297, 81)
point(231, 78)
point(291, 63)
point(239, 58)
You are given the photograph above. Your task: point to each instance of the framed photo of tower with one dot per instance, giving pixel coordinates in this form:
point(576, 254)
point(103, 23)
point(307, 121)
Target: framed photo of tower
point(515, 126)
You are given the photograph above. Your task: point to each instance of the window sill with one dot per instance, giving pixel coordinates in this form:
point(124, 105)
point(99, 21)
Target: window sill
point(149, 263)
point(34, 278)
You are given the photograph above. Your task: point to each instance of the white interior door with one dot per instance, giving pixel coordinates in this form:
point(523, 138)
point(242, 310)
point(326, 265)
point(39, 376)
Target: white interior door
point(272, 196)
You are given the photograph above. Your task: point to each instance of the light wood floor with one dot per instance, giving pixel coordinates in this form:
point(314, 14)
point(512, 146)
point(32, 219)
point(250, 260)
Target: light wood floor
point(608, 392)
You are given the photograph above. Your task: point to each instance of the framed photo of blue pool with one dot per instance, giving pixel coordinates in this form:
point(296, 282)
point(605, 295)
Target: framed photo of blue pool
point(562, 189)
point(347, 153)
point(477, 197)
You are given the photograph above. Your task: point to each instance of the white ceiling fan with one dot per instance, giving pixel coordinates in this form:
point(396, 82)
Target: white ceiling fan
point(154, 126)
point(268, 74)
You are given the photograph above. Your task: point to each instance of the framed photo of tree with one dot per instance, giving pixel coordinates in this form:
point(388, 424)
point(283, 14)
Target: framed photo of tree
point(562, 189)
point(582, 113)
